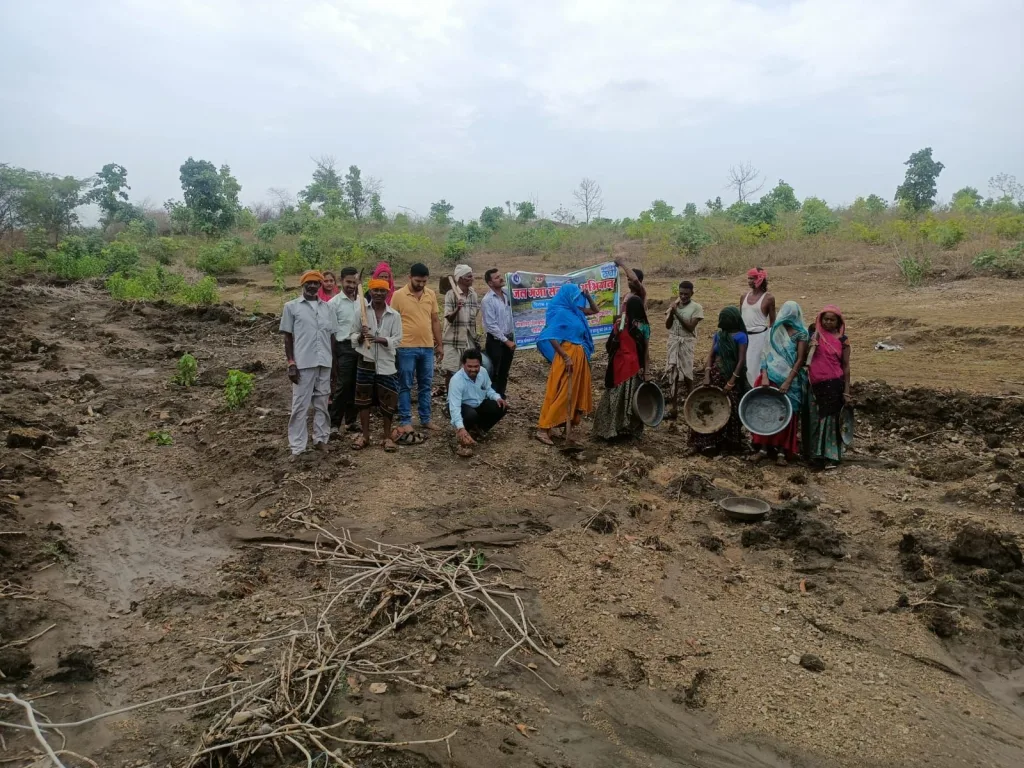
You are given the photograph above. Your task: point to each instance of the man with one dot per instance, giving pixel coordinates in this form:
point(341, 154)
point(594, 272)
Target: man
point(461, 309)
point(635, 282)
point(377, 372)
point(347, 313)
point(421, 330)
point(500, 342)
point(682, 319)
point(474, 405)
point(307, 325)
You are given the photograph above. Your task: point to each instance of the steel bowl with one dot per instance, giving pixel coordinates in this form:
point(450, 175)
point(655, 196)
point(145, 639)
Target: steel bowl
point(765, 411)
point(846, 425)
point(745, 508)
point(707, 410)
point(649, 403)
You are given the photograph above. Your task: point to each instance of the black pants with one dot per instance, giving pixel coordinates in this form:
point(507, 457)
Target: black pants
point(343, 398)
point(501, 359)
point(483, 417)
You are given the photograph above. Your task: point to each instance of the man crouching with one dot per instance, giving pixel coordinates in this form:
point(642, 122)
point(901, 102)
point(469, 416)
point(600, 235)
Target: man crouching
point(474, 405)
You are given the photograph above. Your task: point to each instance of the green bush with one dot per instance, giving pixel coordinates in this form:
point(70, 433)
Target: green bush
point(121, 257)
point(201, 294)
point(260, 253)
point(289, 263)
point(188, 371)
point(266, 232)
point(310, 253)
point(455, 252)
point(1010, 227)
point(237, 388)
point(690, 237)
point(157, 284)
point(160, 249)
point(73, 261)
point(1007, 263)
point(914, 269)
point(816, 217)
point(222, 258)
point(948, 234)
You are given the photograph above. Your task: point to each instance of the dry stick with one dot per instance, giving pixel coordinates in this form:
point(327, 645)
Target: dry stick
point(537, 675)
point(30, 715)
point(13, 533)
point(27, 640)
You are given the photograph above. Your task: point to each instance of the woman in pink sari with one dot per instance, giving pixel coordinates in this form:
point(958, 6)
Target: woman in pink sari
point(383, 272)
point(829, 372)
point(329, 287)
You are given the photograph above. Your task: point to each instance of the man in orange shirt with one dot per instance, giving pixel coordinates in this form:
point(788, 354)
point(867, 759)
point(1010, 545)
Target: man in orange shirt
point(421, 342)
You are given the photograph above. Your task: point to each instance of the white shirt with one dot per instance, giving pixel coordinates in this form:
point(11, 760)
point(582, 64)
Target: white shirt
point(382, 355)
point(347, 312)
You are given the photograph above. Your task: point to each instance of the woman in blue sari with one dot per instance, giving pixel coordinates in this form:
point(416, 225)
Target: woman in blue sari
point(567, 345)
point(782, 367)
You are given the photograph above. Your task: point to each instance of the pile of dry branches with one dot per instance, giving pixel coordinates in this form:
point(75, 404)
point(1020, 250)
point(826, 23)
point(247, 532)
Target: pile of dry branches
point(389, 585)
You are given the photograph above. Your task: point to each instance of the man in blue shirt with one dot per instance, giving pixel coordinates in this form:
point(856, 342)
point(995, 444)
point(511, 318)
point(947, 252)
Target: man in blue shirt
point(474, 405)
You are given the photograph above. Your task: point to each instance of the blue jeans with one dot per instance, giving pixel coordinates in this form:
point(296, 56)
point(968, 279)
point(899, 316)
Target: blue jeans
point(418, 361)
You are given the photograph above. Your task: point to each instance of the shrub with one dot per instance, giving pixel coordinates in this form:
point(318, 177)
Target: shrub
point(160, 249)
point(914, 269)
point(222, 258)
point(289, 263)
point(1010, 227)
point(237, 388)
point(188, 371)
point(310, 252)
point(157, 284)
point(161, 437)
point(201, 294)
point(1008, 263)
point(455, 252)
point(260, 253)
point(527, 242)
point(816, 217)
point(120, 256)
point(71, 262)
point(948, 234)
point(690, 237)
point(866, 234)
point(266, 232)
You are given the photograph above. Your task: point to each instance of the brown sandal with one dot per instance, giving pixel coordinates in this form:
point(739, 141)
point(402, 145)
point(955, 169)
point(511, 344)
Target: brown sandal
point(359, 443)
point(543, 438)
point(389, 445)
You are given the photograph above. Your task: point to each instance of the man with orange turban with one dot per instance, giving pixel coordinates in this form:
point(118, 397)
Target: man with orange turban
point(307, 324)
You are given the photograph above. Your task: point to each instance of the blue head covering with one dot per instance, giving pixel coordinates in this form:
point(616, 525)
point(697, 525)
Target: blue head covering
point(565, 321)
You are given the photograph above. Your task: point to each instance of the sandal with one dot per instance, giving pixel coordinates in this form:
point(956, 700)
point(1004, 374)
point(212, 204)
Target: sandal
point(780, 461)
point(543, 438)
point(757, 456)
point(410, 438)
point(389, 445)
point(359, 443)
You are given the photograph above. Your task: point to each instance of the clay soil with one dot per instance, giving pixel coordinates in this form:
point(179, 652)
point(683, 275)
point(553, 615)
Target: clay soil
point(875, 618)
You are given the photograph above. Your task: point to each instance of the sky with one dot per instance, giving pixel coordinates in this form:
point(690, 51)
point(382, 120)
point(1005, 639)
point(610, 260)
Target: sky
point(480, 102)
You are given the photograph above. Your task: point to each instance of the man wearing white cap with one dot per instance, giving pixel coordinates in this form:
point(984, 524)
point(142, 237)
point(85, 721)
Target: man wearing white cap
point(461, 309)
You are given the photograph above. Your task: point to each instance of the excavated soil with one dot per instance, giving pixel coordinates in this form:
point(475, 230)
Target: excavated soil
point(874, 618)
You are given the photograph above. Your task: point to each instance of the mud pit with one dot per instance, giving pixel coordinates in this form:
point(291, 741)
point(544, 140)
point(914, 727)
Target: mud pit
point(875, 618)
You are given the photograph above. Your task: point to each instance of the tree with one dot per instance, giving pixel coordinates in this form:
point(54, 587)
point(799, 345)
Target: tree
point(744, 179)
point(525, 211)
point(508, 205)
point(441, 212)
point(966, 199)
point(325, 190)
point(690, 211)
point(109, 193)
point(50, 202)
point(1007, 187)
point(563, 215)
point(377, 212)
point(816, 217)
point(490, 218)
point(714, 206)
point(917, 192)
point(782, 198)
point(355, 193)
point(211, 196)
point(589, 199)
point(13, 183)
point(875, 205)
point(661, 211)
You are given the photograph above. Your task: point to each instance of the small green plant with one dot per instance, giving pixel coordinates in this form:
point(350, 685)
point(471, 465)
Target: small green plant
point(1008, 263)
point(455, 252)
point(237, 388)
point(222, 258)
point(914, 269)
point(161, 437)
point(690, 237)
point(188, 371)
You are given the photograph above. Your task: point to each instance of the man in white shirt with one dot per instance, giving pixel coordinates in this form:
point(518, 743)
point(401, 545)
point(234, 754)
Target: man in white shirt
point(474, 405)
point(307, 325)
point(347, 311)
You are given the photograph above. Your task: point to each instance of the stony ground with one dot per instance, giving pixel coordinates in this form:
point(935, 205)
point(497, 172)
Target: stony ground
point(876, 618)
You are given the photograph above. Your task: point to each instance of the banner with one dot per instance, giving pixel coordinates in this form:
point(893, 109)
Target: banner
point(529, 293)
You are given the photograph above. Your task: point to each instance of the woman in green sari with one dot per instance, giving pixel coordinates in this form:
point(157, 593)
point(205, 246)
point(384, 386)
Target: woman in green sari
point(726, 368)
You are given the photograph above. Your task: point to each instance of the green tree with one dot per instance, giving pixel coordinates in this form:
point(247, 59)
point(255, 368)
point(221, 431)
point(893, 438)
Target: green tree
point(966, 199)
point(50, 203)
point(714, 206)
point(211, 196)
point(525, 211)
point(817, 217)
point(326, 190)
point(377, 212)
point(917, 192)
point(690, 236)
point(109, 193)
point(661, 211)
point(690, 211)
point(441, 211)
point(13, 183)
point(782, 198)
point(355, 194)
point(490, 218)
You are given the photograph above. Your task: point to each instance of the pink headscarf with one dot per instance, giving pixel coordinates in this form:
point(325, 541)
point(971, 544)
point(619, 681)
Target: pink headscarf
point(380, 269)
point(758, 275)
point(827, 363)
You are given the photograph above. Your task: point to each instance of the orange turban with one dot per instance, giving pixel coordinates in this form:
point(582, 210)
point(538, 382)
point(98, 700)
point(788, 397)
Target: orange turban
point(381, 285)
point(310, 276)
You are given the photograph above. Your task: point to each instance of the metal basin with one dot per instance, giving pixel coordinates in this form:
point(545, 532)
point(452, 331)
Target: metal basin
point(707, 409)
point(744, 508)
point(649, 404)
point(765, 411)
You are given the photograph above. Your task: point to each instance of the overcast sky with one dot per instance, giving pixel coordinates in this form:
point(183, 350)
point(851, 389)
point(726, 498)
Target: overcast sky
point(479, 102)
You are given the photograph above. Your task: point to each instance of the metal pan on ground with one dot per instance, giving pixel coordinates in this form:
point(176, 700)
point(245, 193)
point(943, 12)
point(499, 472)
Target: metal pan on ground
point(846, 425)
point(744, 508)
point(765, 411)
point(707, 409)
point(649, 404)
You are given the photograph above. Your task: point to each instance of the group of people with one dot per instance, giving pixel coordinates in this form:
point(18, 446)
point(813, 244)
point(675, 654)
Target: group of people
point(356, 352)
point(756, 345)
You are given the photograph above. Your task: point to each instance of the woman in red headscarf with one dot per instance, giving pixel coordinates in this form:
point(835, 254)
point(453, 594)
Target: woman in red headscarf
point(829, 372)
point(383, 272)
point(329, 287)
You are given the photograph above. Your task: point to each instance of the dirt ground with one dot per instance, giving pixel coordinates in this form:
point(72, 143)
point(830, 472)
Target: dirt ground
point(876, 618)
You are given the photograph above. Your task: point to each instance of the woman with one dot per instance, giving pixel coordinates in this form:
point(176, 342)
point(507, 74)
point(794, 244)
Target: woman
point(758, 308)
point(383, 272)
point(567, 345)
point(726, 368)
point(329, 287)
point(628, 362)
point(829, 373)
point(782, 366)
